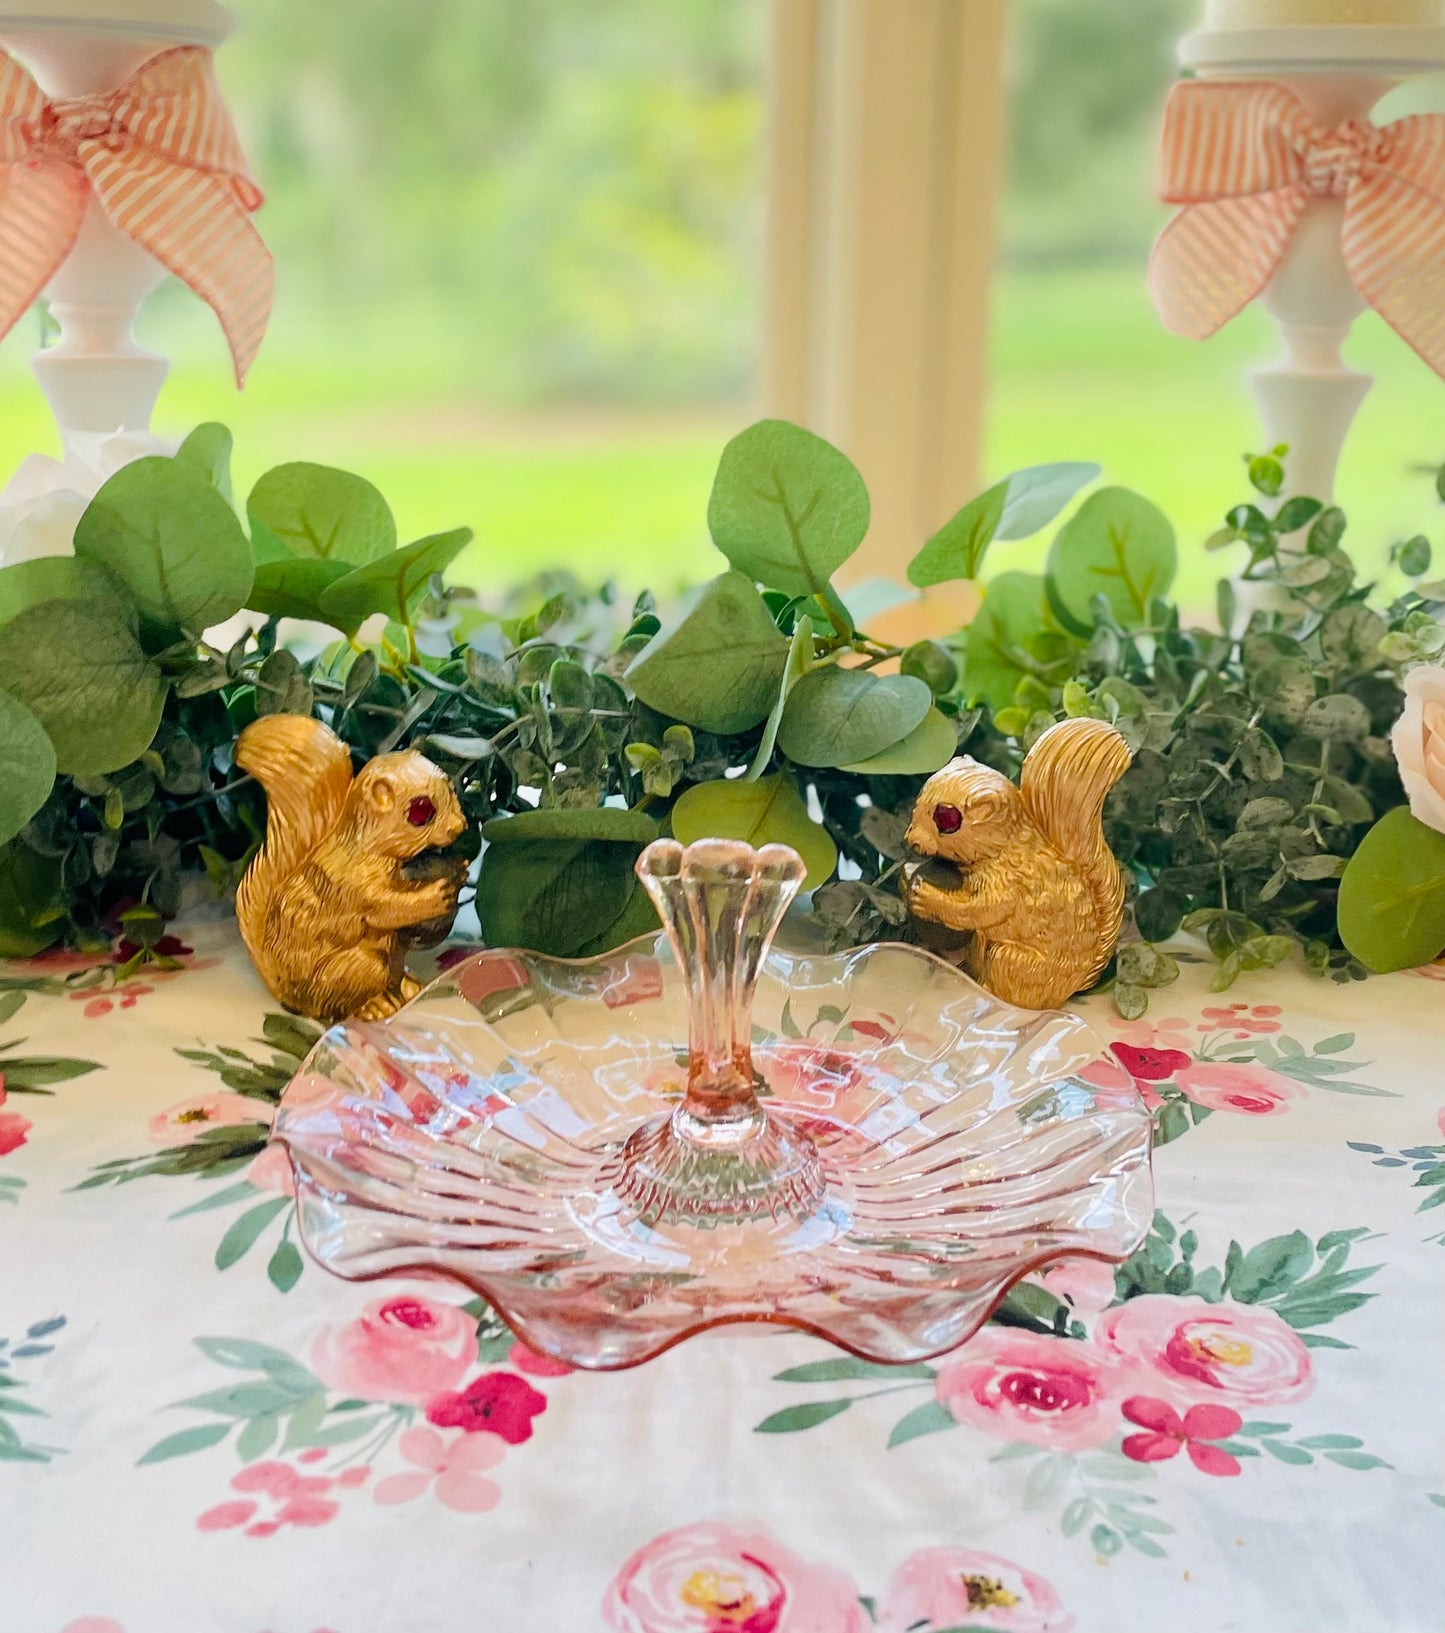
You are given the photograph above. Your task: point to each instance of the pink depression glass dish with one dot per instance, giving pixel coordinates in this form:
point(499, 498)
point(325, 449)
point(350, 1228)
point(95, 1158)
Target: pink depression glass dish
point(699, 1128)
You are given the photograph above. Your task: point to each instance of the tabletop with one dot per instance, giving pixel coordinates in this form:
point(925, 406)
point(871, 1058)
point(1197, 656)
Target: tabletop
point(202, 1432)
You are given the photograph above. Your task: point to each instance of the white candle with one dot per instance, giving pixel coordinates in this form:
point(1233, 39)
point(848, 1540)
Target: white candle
point(1276, 13)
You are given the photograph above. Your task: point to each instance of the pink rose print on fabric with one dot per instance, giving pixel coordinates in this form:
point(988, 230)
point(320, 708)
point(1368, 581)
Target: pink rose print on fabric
point(1057, 1392)
point(1242, 1353)
point(499, 1403)
point(401, 1348)
point(1167, 1434)
point(1225, 1086)
point(1085, 1284)
point(275, 1495)
point(950, 1588)
point(490, 974)
point(455, 1469)
point(181, 1123)
point(93, 1624)
point(717, 1578)
point(1150, 1065)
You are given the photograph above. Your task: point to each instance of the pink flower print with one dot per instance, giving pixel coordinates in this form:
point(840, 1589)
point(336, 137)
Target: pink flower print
point(1166, 1433)
point(499, 1403)
point(454, 1467)
point(1440, 1121)
point(272, 1171)
point(1229, 1086)
point(639, 981)
point(181, 1123)
point(717, 1578)
point(1085, 1284)
point(401, 1348)
point(821, 1075)
point(1241, 1353)
point(13, 1130)
point(126, 994)
point(1056, 1392)
point(938, 1588)
point(534, 1364)
point(1244, 1020)
point(1173, 1032)
point(296, 1499)
point(1117, 1090)
point(1150, 1064)
point(488, 973)
point(93, 1624)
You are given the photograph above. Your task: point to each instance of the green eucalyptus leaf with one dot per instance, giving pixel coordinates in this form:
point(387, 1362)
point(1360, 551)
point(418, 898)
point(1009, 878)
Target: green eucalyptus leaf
point(207, 453)
point(720, 668)
point(957, 549)
point(27, 766)
point(293, 587)
point(78, 666)
point(329, 515)
point(53, 578)
point(836, 716)
point(1392, 895)
point(172, 540)
point(31, 916)
point(392, 584)
point(605, 822)
point(931, 744)
point(996, 659)
point(787, 508)
point(557, 895)
point(769, 811)
point(1119, 544)
point(1038, 493)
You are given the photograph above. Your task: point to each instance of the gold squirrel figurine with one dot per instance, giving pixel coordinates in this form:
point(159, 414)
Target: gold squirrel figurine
point(342, 885)
point(1026, 870)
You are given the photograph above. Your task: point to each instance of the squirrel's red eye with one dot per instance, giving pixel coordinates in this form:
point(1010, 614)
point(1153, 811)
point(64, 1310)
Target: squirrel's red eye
point(948, 819)
point(421, 811)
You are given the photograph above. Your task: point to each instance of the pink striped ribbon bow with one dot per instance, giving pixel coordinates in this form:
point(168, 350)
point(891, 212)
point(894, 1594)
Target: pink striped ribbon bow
point(162, 160)
point(1246, 159)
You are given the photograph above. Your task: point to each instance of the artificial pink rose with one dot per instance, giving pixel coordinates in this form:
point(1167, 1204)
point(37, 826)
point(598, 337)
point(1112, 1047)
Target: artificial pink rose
point(1243, 1354)
point(13, 1130)
point(716, 1578)
point(181, 1123)
point(272, 1171)
point(1223, 1085)
point(1418, 740)
point(1084, 1283)
point(939, 1588)
point(1057, 1392)
point(402, 1348)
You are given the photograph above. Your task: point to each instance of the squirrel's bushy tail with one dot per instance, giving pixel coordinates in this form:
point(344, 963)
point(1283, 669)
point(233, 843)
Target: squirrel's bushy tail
point(1066, 778)
point(306, 772)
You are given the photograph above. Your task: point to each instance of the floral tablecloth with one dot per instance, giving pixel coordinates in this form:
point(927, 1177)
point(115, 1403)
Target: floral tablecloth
point(201, 1432)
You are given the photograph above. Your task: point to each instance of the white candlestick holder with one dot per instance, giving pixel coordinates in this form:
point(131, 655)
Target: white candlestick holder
point(96, 378)
point(1309, 398)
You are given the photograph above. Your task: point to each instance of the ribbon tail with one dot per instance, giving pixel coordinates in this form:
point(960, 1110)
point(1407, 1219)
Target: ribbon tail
point(196, 225)
point(1215, 257)
point(1393, 241)
point(42, 208)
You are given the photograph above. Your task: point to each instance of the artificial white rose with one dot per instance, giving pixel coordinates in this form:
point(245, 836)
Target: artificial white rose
point(1419, 743)
point(46, 497)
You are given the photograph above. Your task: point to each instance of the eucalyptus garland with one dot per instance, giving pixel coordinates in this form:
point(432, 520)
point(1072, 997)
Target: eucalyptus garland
point(577, 728)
